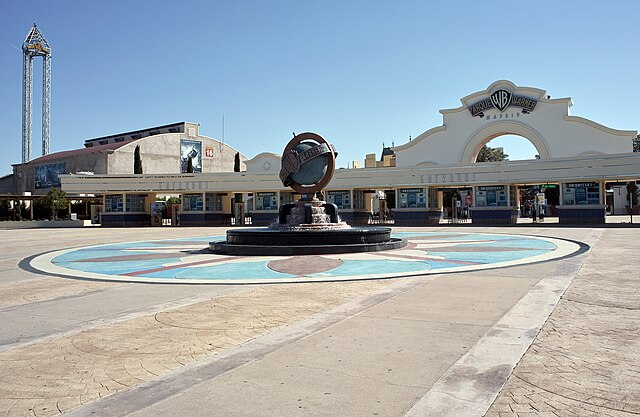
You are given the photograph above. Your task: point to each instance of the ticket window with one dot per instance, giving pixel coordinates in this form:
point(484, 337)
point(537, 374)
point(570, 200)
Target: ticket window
point(192, 202)
point(412, 198)
point(266, 201)
point(342, 199)
point(492, 196)
point(581, 193)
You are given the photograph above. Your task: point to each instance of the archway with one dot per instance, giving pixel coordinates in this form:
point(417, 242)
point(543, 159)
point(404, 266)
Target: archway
point(494, 130)
point(514, 147)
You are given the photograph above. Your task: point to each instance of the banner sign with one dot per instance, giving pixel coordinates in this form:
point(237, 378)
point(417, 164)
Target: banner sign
point(190, 149)
point(501, 99)
point(491, 188)
point(47, 175)
point(581, 184)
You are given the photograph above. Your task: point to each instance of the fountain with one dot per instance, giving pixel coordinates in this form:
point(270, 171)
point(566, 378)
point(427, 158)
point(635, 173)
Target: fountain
point(309, 226)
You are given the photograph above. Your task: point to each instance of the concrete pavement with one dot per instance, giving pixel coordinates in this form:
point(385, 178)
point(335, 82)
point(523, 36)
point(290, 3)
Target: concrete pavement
point(351, 348)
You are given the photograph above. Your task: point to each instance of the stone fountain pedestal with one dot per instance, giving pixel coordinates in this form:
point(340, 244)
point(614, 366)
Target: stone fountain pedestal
point(308, 227)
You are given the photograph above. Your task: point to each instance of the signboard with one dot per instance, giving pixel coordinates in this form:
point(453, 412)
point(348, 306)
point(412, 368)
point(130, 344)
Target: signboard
point(412, 198)
point(491, 188)
point(491, 196)
point(500, 100)
point(47, 175)
point(581, 184)
point(266, 201)
point(208, 152)
point(190, 149)
point(581, 193)
point(156, 213)
point(339, 198)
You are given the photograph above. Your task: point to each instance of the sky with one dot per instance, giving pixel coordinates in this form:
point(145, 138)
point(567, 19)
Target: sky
point(359, 73)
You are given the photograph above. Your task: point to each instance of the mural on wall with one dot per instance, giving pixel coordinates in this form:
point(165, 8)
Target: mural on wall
point(47, 175)
point(190, 149)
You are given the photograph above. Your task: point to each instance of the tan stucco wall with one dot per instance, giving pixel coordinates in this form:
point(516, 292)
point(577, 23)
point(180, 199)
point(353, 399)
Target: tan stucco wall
point(24, 174)
point(161, 155)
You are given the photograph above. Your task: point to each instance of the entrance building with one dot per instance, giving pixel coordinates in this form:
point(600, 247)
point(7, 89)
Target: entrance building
point(576, 160)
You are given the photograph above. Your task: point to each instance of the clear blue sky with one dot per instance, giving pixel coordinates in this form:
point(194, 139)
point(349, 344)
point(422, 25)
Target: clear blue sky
point(360, 73)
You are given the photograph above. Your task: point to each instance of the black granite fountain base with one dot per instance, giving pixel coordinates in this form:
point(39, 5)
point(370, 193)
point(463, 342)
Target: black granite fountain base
point(258, 242)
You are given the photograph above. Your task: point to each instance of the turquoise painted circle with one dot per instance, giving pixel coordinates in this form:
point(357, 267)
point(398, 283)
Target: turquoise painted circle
point(188, 261)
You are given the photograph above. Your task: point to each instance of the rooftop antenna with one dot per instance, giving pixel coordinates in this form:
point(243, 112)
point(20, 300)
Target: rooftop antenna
point(222, 132)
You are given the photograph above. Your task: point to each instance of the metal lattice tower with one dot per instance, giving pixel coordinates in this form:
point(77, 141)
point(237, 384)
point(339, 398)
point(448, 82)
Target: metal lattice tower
point(35, 45)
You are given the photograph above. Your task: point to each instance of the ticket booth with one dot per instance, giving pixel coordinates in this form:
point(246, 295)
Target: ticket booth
point(582, 203)
point(492, 205)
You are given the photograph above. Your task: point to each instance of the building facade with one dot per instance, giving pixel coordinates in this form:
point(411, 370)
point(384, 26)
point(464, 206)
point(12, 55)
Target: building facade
point(580, 164)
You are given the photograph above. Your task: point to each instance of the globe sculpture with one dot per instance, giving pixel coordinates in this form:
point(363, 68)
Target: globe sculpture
point(308, 163)
point(310, 225)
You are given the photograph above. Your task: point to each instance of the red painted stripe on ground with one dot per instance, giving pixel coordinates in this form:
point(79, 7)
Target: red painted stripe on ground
point(185, 265)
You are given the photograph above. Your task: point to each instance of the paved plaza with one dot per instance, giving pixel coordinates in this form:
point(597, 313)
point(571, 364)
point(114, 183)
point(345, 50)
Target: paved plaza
point(532, 324)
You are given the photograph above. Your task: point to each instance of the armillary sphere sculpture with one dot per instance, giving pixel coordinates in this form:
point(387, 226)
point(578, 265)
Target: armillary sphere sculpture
point(308, 162)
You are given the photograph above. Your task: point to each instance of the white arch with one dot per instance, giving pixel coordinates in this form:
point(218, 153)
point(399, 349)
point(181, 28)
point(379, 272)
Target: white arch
point(501, 128)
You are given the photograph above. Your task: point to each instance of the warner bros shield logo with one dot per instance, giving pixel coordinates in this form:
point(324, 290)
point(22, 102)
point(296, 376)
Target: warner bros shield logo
point(501, 99)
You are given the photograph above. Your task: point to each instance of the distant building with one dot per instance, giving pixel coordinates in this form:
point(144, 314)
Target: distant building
point(387, 158)
point(163, 149)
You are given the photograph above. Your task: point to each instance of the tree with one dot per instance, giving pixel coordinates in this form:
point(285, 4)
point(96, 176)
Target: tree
point(55, 200)
point(17, 211)
point(5, 209)
point(190, 165)
point(237, 197)
point(137, 161)
point(636, 144)
point(236, 163)
point(488, 154)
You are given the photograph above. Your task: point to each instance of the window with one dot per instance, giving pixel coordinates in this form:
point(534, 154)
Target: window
point(135, 203)
point(192, 202)
point(112, 203)
point(213, 202)
point(491, 196)
point(266, 201)
point(340, 199)
point(581, 193)
point(433, 197)
point(358, 199)
point(412, 198)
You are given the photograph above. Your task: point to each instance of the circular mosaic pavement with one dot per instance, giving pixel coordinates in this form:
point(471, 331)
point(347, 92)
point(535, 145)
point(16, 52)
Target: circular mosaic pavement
point(189, 261)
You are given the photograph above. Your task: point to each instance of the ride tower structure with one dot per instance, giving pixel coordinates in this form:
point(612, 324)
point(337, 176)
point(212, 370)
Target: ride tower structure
point(35, 45)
